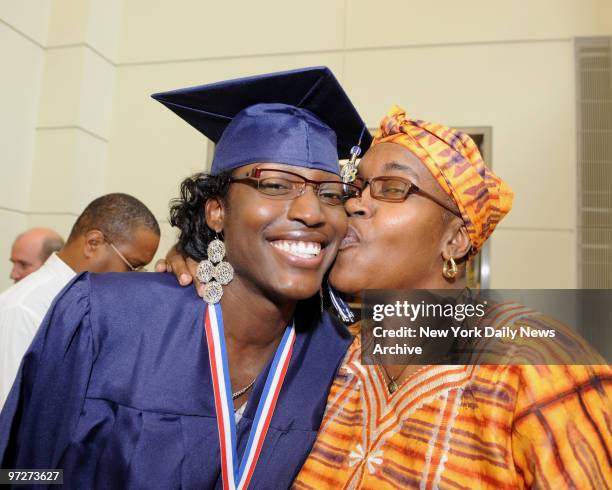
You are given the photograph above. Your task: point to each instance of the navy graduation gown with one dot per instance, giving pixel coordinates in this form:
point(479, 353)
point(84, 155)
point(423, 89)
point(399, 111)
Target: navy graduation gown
point(116, 390)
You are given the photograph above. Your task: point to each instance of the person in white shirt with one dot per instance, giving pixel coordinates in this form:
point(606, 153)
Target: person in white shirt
point(115, 233)
point(31, 249)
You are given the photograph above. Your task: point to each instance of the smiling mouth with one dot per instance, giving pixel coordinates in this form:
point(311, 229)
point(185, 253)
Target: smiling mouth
point(298, 248)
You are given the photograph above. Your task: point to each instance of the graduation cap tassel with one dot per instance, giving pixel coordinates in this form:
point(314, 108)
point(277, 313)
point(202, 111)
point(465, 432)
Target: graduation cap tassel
point(349, 169)
point(340, 306)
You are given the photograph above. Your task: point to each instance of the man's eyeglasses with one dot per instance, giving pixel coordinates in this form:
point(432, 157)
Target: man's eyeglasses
point(122, 257)
point(281, 184)
point(397, 189)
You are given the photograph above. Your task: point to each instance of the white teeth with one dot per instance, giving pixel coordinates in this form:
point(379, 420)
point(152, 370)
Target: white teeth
point(299, 248)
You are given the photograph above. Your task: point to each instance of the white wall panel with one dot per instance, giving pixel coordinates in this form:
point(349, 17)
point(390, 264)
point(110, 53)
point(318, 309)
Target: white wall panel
point(162, 30)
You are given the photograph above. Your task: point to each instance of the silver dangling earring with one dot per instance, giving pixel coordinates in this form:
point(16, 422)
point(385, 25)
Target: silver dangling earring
point(214, 272)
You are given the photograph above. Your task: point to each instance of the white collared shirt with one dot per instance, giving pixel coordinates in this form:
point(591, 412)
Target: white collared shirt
point(22, 309)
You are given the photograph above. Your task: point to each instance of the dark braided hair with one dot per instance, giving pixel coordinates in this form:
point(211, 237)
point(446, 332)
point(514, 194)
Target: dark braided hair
point(187, 211)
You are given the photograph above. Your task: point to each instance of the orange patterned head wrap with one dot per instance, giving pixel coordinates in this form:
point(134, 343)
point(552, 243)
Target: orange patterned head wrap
point(455, 162)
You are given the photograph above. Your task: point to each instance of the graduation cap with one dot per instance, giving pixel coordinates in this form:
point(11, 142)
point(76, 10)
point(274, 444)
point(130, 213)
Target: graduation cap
point(300, 117)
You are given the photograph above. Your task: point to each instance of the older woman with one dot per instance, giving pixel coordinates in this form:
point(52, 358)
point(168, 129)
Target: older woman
point(429, 201)
point(134, 382)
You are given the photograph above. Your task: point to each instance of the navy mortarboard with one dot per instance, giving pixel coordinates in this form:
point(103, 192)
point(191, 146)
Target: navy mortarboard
point(300, 117)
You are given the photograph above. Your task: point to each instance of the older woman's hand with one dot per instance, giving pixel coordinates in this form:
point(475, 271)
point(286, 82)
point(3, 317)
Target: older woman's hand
point(184, 268)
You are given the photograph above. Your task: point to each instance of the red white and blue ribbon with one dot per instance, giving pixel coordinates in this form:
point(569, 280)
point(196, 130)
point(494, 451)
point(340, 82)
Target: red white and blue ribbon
point(237, 474)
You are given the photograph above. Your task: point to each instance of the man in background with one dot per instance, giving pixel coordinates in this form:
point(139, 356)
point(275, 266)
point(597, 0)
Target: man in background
point(31, 249)
point(115, 233)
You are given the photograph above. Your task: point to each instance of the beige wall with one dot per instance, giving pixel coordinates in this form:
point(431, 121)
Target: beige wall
point(79, 121)
point(23, 35)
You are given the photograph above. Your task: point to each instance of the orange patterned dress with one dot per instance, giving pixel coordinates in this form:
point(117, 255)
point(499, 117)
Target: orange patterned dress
point(465, 427)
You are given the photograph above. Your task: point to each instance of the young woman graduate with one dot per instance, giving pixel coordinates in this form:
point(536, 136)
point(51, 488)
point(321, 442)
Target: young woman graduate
point(133, 381)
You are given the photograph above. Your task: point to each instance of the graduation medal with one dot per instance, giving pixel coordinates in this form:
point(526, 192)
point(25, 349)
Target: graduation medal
point(237, 474)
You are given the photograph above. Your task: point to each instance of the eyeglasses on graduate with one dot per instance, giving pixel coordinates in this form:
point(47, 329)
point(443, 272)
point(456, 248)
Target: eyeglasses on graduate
point(282, 184)
point(396, 189)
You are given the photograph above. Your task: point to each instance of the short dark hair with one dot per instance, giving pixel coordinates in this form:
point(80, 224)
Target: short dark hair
point(49, 245)
point(117, 216)
point(187, 211)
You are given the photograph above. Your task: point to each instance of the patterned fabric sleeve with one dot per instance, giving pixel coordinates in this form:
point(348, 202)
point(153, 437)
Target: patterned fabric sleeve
point(561, 436)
